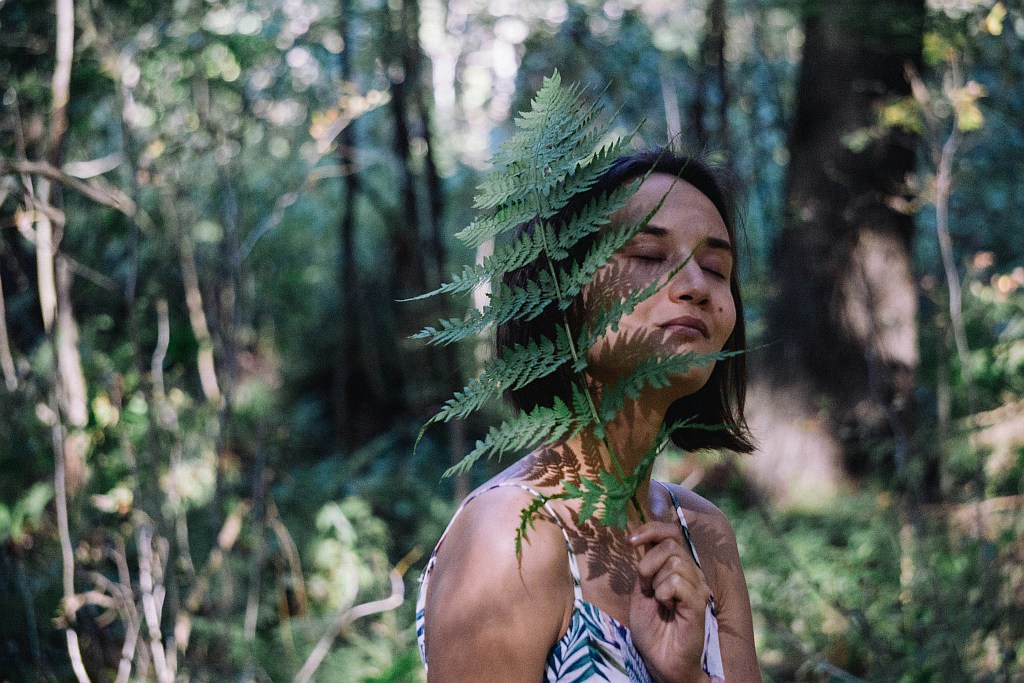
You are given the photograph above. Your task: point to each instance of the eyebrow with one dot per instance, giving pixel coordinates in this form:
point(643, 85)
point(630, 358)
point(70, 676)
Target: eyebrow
point(707, 242)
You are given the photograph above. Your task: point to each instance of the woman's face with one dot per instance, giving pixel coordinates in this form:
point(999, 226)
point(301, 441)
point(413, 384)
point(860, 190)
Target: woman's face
point(694, 311)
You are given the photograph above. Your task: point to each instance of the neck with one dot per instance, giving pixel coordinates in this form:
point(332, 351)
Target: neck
point(628, 439)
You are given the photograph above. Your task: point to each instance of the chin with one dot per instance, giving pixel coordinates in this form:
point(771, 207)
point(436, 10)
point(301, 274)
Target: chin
point(690, 383)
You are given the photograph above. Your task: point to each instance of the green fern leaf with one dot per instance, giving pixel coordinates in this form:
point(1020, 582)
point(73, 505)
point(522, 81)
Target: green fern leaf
point(572, 281)
point(507, 303)
point(540, 425)
point(526, 248)
point(516, 368)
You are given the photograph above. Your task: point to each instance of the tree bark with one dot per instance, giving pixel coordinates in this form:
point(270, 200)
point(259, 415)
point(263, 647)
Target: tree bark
point(843, 314)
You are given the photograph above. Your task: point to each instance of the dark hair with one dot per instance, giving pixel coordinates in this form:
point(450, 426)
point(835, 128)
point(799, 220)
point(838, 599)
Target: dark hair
point(719, 403)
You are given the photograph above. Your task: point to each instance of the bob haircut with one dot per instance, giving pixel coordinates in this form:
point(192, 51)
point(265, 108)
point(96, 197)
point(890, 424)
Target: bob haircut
point(716, 409)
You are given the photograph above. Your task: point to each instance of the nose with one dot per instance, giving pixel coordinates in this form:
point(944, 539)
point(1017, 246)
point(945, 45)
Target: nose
point(690, 284)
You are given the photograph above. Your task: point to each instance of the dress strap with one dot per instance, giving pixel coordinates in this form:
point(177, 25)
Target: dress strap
point(577, 586)
point(711, 659)
point(682, 521)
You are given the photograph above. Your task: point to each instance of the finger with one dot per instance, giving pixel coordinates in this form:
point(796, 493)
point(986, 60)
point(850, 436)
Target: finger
point(655, 532)
point(652, 562)
point(671, 584)
point(661, 553)
point(670, 589)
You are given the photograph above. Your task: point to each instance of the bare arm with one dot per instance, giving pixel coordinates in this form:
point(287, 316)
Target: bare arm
point(488, 616)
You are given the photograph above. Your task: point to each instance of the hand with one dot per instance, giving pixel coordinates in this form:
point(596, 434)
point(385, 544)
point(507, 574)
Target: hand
point(667, 609)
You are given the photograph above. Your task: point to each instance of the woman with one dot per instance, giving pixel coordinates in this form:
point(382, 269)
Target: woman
point(589, 601)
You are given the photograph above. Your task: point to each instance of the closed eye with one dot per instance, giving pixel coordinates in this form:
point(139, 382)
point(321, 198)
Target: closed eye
point(648, 258)
point(719, 275)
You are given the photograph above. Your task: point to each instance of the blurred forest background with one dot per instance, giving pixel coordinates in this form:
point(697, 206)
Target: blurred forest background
point(208, 209)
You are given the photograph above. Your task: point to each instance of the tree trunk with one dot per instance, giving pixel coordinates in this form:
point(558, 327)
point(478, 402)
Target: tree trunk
point(406, 239)
point(348, 342)
point(447, 363)
point(843, 315)
point(712, 83)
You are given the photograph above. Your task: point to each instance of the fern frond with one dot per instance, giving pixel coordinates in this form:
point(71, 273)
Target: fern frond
point(525, 248)
point(506, 303)
point(572, 280)
point(581, 405)
point(606, 497)
point(516, 368)
point(528, 516)
point(514, 196)
point(555, 140)
point(527, 429)
point(512, 212)
point(551, 98)
point(607, 319)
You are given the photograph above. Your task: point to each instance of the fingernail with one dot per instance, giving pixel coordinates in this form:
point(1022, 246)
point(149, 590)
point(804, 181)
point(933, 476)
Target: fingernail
point(634, 538)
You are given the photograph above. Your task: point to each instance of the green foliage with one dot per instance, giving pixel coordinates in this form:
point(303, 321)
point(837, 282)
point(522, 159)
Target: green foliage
point(348, 554)
point(866, 590)
point(23, 516)
point(994, 317)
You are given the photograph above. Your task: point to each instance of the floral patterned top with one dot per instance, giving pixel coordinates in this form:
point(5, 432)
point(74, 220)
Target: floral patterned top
point(595, 646)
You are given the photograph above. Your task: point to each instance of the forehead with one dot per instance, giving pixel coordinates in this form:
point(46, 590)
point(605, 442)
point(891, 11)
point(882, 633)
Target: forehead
point(685, 209)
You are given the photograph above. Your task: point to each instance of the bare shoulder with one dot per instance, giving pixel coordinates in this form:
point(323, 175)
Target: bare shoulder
point(700, 511)
point(712, 534)
point(487, 527)
point(488, 604)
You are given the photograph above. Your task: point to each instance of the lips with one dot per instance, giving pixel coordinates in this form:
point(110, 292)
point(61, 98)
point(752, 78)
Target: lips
point(687, 324)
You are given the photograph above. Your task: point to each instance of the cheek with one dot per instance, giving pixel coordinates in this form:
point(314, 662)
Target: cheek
point(727, 314)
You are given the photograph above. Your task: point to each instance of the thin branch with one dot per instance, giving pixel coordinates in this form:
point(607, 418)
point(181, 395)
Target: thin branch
point(316, 173)
point(131, 639)
point(94, 167)
point(66, 552)
point(316, 657)
point(133, 619)
point(75, 653)
point(100, 193)
point(252, 602)
point(291, 554)
point(163, 338)
point(6, 359)
point(193, 300)
point(92, 275)
point(61, 82)
point(151, 597)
